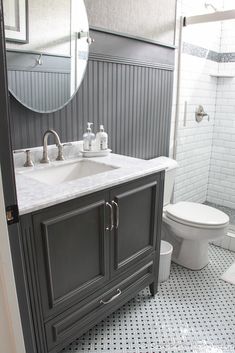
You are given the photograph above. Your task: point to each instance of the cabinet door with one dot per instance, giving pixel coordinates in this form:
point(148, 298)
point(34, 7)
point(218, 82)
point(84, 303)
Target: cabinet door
point(72, 251)
point(135, 208)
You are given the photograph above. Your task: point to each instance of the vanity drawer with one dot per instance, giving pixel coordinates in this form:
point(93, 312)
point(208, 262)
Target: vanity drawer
point(77, 320)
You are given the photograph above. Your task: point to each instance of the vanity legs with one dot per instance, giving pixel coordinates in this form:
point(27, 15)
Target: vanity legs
point(153, 288)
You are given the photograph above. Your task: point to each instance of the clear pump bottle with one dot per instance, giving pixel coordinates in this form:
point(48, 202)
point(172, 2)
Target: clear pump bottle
point(102, 139)
point(88, 138)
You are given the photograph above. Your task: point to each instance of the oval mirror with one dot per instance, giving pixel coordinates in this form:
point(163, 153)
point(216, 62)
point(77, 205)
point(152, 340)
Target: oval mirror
point(47, 44)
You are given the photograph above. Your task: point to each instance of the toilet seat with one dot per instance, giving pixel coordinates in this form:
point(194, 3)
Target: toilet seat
point(196, 215)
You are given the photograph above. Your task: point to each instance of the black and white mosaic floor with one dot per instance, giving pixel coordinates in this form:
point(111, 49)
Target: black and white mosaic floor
point(193, 312)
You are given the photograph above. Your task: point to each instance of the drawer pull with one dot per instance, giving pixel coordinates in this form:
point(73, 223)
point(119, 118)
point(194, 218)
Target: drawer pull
point(117, 213)
point(111, 225)
point(119, 292)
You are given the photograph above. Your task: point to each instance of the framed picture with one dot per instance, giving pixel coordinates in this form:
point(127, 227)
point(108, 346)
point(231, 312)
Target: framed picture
point(16, 20)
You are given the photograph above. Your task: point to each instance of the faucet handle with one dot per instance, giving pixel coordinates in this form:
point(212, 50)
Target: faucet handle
point(200, 114)
point(60, 156)
point(28, 162)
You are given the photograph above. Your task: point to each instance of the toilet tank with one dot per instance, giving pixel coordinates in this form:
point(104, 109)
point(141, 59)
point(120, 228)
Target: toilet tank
point(171, 167)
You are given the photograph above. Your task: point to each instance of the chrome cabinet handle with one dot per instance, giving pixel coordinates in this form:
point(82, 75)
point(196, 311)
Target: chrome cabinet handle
point(119, 292)
point(110, 227)
point(117, 214)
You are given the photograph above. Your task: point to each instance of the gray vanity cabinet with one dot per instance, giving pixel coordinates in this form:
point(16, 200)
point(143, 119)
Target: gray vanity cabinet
point(72, 251)
point(135, 208)
point(86, 257)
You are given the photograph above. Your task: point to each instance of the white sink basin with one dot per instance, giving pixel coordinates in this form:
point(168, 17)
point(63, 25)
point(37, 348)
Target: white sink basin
point(57, 174)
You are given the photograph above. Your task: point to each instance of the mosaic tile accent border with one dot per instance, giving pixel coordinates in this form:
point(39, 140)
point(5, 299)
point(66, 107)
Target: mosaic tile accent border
point(227, 57)
point(201, 52)
point(214, 56)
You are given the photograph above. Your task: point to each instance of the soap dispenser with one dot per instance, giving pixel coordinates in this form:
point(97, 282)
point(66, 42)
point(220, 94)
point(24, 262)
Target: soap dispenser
point(88, 137)
point(102, 139)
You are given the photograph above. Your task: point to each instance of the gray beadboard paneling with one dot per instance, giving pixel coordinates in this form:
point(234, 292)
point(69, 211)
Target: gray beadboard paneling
point(40, 90)
point(130, 93)
point(131, 50)
point(40, 87)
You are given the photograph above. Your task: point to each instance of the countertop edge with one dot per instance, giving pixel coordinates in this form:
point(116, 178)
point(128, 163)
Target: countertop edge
point(27, 210)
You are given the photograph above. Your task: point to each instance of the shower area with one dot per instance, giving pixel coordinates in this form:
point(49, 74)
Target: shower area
point(203, 138)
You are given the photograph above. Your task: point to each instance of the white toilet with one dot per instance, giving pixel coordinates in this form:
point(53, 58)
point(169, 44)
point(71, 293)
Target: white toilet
point(189, 226)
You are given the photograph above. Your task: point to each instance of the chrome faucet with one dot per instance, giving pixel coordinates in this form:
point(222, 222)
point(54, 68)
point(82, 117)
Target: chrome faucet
point(45, 158)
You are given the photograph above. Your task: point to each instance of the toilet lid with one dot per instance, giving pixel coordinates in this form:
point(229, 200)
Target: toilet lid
point(196, 214)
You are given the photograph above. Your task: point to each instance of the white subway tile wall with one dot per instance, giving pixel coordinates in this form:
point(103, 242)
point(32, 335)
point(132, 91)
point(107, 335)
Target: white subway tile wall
point(195, 139)
point(206, 150)
point(221, 186)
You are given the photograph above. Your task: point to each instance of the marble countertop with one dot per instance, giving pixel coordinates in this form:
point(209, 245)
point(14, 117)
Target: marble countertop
point(34, 195)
